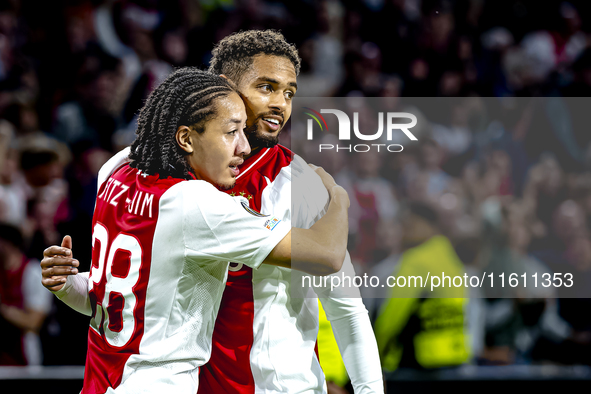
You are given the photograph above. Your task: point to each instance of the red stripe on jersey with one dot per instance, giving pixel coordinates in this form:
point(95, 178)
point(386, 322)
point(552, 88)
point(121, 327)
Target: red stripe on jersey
point(316, 351)
point(228, 370)
point(127, 204)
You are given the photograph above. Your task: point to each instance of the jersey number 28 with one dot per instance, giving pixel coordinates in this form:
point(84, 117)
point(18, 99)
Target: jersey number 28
point(115, 311)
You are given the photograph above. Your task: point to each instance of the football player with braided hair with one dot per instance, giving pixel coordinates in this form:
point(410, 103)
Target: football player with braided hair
point(187, 97)
point(163, 237)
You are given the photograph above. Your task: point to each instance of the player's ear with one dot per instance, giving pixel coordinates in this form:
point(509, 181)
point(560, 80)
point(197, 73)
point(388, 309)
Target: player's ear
point(183, 138)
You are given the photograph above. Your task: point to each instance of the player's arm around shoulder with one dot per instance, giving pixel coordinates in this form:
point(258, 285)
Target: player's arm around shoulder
point(225, 227)
point(312, 244)
point(220, 227)
point(319, 250)
point(309, 197)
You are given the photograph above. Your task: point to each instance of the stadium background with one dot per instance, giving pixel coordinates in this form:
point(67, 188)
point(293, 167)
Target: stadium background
point(74, 73)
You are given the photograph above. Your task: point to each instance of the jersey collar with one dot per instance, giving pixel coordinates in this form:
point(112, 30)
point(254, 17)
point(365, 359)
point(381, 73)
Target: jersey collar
point(251, 162)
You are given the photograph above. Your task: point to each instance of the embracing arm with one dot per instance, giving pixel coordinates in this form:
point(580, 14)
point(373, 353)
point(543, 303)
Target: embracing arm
point(319, 250)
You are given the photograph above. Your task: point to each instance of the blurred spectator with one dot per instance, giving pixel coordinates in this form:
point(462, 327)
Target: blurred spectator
point(372, 201)
point(323, 53)
point(517, 321)
point(557, 48)
point(88, 120)
point(42, 161)
point(417, 332)
point(389, 239)
point(13, 198)
point(426, 181)
point(24, 302)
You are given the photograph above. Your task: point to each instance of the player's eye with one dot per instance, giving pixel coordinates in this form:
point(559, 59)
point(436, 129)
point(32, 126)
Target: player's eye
point(266, 87)
point(233, 132)
point(289, 95)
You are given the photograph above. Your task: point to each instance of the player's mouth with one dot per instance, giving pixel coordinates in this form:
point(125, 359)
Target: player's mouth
point(234, 167)
point(273, 122)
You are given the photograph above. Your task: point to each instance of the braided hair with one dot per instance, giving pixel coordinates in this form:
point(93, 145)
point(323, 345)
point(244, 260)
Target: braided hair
point(186, 97)
point(233, 55)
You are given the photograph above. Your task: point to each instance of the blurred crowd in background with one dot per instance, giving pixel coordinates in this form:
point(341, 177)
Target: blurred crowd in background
point(507, 187)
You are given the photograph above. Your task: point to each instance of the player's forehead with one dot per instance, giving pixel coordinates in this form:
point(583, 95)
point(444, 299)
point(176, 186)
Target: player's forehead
point(229, 110)
point(277, 69)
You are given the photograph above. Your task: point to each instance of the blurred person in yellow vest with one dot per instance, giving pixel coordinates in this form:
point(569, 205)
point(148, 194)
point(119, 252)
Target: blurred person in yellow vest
point(414, 329)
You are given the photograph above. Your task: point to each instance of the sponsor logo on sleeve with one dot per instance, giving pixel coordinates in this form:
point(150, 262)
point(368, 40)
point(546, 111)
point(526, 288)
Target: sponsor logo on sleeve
point(271, 223)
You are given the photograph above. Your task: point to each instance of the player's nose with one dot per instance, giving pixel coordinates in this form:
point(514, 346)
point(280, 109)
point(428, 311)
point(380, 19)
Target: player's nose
point(242, 146)
point(278, 102)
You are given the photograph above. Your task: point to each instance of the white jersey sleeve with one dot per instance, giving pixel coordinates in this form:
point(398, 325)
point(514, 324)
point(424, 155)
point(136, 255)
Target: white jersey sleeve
point(220, 227)
point(343, 305)
point(309, 197)
point(74, 293)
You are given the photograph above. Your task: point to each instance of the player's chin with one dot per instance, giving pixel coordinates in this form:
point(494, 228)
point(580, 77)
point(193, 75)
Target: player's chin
point(265, 131)
point(264, 139)
point(227, 185)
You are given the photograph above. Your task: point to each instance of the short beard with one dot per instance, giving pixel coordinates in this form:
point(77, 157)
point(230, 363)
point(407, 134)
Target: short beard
point(257, 140)
point(224, 187)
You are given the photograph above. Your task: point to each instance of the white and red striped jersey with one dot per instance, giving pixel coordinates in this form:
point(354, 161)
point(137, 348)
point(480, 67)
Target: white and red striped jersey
point(265, 334)
point(161, 249)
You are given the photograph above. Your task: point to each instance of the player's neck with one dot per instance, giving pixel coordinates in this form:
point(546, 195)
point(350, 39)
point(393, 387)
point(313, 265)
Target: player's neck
point(254, 150)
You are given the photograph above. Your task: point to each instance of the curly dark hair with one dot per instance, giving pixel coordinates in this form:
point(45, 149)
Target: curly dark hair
point(233, 55)
point(186, 97)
